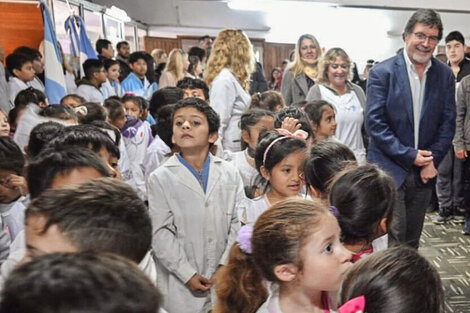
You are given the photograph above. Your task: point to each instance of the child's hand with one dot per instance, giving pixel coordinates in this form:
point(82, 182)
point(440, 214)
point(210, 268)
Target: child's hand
point(17, 182)
point(291, 124)
point(198, 283)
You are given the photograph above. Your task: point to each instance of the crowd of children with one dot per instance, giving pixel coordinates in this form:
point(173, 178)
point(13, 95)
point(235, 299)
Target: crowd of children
point(162, 215)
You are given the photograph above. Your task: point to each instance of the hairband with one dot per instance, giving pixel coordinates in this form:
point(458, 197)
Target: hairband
point(244, 238)
point(355, 305)
point(299, 133)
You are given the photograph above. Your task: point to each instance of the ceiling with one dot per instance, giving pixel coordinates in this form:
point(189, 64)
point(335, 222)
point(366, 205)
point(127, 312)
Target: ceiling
point(365, 28)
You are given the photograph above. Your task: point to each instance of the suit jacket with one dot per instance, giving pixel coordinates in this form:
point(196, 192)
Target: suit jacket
point(293, 89)
point(389, 116)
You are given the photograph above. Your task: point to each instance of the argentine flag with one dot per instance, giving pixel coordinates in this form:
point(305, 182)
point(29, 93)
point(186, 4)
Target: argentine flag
point(81, 45)
point(54, 73)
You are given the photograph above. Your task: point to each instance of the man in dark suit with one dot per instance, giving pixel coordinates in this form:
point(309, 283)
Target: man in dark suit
point(411, 121)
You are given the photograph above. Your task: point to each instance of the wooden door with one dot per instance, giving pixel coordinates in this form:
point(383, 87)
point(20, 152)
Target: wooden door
point(21, 25)
point(274, 54)
point(167, 44)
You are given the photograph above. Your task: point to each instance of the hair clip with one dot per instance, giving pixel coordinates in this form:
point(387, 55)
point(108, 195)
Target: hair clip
point(334, 210)
point(299, 133)
point(81, 110)
point(355, 305)
point(244, 238)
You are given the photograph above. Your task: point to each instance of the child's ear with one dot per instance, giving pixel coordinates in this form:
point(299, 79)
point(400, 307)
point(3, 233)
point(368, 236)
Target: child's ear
point(286, 272)
point(213, 137)
point(16, 72)
point(314, 127)
point(245, 136)
point(383, 225)
point(26, 150)
point(264, 172)
point(315, 193)
point(42, 105)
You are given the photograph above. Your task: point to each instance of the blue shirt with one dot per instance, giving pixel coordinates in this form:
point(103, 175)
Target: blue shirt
point(203, 176)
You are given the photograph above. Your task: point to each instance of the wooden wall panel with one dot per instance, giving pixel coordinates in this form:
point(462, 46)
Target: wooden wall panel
point(167, 44)
point(274, 53)
point(20, 25)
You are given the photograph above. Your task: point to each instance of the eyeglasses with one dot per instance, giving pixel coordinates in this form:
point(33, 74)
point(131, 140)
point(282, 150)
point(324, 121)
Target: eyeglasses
point(312, 47)
point(422, 37)
point(336, 66)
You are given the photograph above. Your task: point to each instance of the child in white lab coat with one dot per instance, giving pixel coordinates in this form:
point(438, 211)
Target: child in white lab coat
point(193, 200)
point(21, 68)
point(137, 136)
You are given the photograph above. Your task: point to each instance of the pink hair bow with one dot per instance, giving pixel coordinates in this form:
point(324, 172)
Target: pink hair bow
point(355, 305)
point(299, 133)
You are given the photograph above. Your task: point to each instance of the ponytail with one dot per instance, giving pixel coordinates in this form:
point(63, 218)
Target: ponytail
point(270, 100)
point(239, 285)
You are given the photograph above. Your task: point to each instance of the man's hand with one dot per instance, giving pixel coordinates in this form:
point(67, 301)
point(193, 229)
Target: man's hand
point(461, 154)
point(198, 283)
point(423, 158)
point(428, 172)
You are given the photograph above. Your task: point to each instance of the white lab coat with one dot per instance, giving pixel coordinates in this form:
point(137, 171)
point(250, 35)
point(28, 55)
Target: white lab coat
point(229, 100)
point(90, 93)
point(5, 104)
point(193, 231)
point(136, 148)
point(239, 160)
point(157, 153)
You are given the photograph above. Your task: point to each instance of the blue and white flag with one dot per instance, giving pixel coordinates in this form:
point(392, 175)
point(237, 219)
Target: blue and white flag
point(81, 45)
point(53, 70)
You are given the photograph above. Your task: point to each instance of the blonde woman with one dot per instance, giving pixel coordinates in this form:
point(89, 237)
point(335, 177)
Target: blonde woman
point(159, 56)
point(228, 76)
point(333, 85)
point(175, 69)
point(300, 75)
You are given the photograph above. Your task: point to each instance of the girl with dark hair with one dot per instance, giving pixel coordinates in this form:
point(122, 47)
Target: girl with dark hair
point(278, 158)
point(396, 280)
point(322, 118)
point(112, 84)
point(324, 160)
point(269, 100)
point(362, 199)
point(275, 78)
point(253, 123)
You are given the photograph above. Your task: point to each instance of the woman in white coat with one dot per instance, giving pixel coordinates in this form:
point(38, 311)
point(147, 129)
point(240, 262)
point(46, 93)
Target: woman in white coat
point(347, 98)
point(228, 76)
